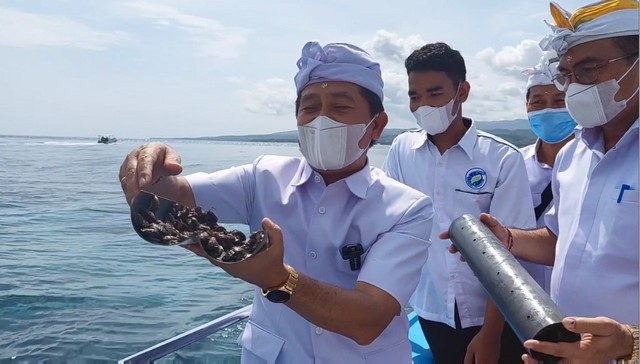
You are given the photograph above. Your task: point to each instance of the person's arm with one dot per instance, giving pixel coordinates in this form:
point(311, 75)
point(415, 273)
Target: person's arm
point(485, 345)
point(536, 246)
point(361, 314)
point(603, 339)
point(384, 285)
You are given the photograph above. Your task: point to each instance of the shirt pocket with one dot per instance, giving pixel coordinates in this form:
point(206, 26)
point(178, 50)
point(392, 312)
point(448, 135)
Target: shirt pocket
point(621, 218)
point(344, 266)
point(352, 236)
point(628, 196)
point(470, 202)
point(261, 343)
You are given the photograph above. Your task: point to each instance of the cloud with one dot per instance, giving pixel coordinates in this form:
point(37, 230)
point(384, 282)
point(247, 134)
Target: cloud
point(391, 50)
point(392, 47)
point(495, 94)
point(510, 89)
point(273, 96)
point(22, 29)
point(510, 60)
point(212, 37)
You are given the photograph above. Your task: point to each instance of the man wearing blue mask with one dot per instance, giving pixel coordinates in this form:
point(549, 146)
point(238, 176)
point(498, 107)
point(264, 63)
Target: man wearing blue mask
point(591, 232)
point(465, 171)
point(551, 122)
point(350, 243)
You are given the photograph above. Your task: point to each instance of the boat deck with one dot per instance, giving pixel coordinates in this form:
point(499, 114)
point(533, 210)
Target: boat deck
point(421, 353)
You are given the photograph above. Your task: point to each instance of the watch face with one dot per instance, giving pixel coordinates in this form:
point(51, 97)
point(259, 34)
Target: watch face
point(278, 296)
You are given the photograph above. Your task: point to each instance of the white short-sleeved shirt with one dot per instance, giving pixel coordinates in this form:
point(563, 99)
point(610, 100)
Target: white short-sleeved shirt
point(596, 265)
point(482, 173)
point(390, 220)
point(539, 178)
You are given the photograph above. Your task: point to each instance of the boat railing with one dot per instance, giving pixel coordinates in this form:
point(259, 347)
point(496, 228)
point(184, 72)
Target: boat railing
point(178, 342)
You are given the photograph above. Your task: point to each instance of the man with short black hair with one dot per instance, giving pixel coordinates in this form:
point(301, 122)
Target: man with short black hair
point(465, 171)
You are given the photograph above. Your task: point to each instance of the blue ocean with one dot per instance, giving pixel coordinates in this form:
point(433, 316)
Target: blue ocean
point(77, 284)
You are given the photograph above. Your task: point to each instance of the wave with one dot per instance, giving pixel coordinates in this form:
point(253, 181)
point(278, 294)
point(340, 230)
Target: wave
point(68, 143)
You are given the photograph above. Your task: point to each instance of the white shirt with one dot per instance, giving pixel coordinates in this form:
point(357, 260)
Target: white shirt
point(539, 178)
point(482, 173)
point(390, 220)
point(596, 265)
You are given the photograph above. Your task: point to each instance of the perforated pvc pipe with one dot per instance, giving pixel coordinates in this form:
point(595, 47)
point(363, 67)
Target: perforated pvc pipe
point(524, 304)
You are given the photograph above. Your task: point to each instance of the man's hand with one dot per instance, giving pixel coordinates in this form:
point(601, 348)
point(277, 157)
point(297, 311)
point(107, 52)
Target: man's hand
point(492, 223)
point(265, 269)
point(145, 166)
point(603, 339)
point(484, 348)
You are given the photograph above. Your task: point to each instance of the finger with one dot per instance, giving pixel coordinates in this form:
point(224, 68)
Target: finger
point(490, 221)
point(600, 326)
point(172, 162)
point(128, 176)
point(274, 233)
point(147, 158)
point(469, 357)
point(495, 226)
point(528, 360)
point(454, 250)
point(561, 350)
point(129, 161)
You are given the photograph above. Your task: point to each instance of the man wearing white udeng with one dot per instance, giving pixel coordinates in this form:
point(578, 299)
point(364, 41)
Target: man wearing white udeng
point(591, 233)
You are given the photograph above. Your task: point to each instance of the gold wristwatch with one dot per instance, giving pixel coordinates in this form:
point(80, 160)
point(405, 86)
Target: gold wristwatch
point(283, 293)
point(633, 357)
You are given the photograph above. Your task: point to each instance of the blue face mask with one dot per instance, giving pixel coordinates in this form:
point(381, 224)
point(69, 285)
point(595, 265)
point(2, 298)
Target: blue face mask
point(552, 125)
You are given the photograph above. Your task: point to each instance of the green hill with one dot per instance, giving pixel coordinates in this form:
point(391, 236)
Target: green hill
point(516, 132)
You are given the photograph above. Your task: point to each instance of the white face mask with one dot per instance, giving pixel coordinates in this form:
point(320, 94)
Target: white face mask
point(330, 145)
point(595, 105)
point(435, 120)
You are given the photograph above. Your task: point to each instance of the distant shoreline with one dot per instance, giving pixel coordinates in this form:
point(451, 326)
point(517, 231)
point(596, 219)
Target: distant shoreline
point(517, 137)
point(516, 132)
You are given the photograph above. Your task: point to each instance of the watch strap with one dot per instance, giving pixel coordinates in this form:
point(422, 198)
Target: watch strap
point(633, 357)
point(288, 287)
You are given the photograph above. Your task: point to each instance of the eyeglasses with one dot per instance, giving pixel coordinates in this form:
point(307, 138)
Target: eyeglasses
point(585, 74)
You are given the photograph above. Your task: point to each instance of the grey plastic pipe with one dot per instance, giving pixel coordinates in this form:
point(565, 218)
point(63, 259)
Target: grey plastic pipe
point(524, 304)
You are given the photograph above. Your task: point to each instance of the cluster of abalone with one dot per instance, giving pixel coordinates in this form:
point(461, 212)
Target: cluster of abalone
point(181, 225)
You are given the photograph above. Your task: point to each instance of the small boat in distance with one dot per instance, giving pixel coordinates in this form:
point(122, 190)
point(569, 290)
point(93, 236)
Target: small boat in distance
point(107, 139)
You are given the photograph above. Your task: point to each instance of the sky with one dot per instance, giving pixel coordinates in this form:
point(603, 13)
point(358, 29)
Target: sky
point(189, 68)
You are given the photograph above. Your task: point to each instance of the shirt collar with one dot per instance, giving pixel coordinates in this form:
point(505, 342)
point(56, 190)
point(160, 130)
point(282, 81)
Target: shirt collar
point(533, 153)
point(467, 142)
point(358, 183)
point(303, 173)
point(592, 137)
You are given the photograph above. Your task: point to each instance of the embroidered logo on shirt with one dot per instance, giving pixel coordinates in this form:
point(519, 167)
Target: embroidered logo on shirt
point(476, 178)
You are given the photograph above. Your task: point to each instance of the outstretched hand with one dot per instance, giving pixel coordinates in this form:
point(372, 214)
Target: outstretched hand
point(145, 166)
point(603, 339)
point(265, 269)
